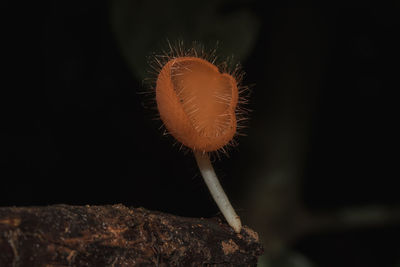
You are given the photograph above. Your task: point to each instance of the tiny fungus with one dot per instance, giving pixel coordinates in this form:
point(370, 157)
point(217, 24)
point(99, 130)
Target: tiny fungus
point(198, 104)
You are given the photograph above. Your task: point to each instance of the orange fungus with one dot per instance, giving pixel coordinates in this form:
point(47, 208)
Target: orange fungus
point(197, 103)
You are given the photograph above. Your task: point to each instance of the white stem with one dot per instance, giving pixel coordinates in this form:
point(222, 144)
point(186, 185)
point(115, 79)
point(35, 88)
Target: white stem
point(207, 171)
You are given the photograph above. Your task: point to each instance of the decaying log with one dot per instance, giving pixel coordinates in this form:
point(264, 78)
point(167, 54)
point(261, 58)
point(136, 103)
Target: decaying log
point(63, 235)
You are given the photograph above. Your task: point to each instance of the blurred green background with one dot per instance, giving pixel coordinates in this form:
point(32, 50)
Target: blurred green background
point(316, 175)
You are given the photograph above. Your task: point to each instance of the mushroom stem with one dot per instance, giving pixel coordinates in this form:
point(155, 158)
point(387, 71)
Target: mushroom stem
point(207, 171)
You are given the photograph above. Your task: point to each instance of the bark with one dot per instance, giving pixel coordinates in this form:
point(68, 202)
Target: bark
point(63, 235)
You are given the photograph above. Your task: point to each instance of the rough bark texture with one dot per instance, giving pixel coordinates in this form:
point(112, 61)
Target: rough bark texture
point(63, 235)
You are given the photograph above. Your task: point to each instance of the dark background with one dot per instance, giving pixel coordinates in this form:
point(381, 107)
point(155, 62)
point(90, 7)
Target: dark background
point(82, 135)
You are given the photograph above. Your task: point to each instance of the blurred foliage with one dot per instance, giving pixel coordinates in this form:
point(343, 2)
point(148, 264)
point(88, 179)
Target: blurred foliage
point(143, 28)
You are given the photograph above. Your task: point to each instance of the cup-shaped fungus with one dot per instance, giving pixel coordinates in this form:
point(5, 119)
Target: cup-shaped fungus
point(197, 105)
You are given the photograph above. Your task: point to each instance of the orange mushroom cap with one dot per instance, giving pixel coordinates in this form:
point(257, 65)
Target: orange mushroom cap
point(197, 103)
